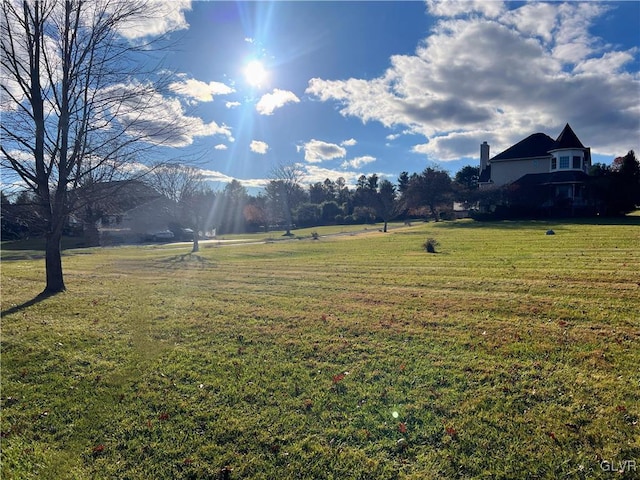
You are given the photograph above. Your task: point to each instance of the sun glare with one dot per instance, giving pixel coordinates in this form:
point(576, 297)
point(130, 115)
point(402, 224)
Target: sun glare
point(255, 74)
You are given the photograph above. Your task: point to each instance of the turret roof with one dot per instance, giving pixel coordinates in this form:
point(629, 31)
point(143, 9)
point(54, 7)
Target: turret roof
point(567, 139)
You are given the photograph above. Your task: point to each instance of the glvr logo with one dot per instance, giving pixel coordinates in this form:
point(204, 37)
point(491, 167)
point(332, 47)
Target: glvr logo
point(622, 466)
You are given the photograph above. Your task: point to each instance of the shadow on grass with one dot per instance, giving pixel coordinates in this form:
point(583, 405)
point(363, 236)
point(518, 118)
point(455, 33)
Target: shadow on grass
point(38, 243)
point(33, 248)
point(187, 260)
point(35, 300)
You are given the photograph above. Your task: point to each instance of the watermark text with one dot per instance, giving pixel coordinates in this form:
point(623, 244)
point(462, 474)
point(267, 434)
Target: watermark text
point(619, 466)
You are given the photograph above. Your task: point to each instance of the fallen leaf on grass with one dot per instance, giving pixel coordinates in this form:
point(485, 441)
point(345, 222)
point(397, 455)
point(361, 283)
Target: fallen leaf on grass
point(552, 435)
point(338, 378)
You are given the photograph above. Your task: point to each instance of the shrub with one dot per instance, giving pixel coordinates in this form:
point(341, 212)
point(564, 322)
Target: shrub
point(364, 215)
point(430, 245)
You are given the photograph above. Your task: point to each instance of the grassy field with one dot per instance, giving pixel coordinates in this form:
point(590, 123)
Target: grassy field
point(507, 354)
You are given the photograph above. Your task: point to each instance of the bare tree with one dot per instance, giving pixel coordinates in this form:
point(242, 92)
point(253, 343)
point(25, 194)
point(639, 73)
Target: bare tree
point(72, 110)
point(187, 187)
point(284, 192)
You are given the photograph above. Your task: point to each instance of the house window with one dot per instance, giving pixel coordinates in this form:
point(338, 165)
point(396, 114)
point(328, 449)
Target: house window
point(564, 162)
point(577, 162)
point(554, 163)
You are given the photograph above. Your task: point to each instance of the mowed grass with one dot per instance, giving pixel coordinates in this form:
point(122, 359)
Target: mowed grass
point(508, 354)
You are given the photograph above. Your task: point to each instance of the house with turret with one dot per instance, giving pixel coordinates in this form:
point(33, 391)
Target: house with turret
point(541, 174)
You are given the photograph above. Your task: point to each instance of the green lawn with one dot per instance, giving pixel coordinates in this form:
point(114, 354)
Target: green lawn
point(508, 354)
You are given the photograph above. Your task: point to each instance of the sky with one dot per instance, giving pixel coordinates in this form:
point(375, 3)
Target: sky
point(344, 89)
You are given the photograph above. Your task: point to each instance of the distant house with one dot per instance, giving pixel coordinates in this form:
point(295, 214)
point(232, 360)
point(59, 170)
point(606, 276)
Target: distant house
point(541, 174)
point(137, 224)
point(121, 212)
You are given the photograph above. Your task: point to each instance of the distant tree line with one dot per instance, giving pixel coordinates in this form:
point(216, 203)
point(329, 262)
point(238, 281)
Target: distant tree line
point(287, 203)
point(616, 187)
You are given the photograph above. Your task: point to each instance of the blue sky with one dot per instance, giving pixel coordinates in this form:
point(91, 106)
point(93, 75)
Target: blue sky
point(351, 88)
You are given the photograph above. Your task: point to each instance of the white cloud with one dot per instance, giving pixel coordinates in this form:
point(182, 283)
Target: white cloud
point(232, 104)
point(13, 91)
point(349, 143)
point(609, 62)
point(574, 42)
point(146, 114)
point(215, 176)
point(220, 146)
point(21, 156)
point(536, 19)
point(454, 8)
point(200, 91)
point(498, 76)
point(452, 146)
point(159, 17)
point(314, 173)
point(277, 99)
point(358, 162)
point(316, 151)
point(258, 146)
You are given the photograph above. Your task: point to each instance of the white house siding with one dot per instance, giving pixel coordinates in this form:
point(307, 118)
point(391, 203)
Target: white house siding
point(508, 171)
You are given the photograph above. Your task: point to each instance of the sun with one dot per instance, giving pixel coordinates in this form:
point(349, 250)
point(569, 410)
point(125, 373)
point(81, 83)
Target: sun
point(255, 74)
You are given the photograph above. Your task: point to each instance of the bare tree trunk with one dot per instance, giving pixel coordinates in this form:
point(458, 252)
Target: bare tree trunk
point(196, 245)
point(434, 213)
point(53, 263)
point(289, 220)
